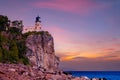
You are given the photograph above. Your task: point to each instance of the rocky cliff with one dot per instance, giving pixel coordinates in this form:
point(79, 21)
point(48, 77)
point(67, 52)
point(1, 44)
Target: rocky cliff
point(34, 47)
point(40, 51)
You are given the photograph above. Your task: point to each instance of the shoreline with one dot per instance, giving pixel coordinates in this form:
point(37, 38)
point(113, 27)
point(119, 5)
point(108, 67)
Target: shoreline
point(26, 72)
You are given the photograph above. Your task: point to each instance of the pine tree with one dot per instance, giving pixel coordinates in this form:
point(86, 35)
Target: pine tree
point(4, 22)
point(13, 52)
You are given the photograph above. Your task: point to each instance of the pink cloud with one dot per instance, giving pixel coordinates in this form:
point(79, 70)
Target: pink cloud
point(117, 44)
point(62, 38)
point(74, 6)
point(109, 49)
point(59, 34)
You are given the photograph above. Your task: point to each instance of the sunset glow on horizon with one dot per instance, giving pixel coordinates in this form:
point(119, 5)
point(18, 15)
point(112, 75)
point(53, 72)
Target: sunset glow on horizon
point(85, 32)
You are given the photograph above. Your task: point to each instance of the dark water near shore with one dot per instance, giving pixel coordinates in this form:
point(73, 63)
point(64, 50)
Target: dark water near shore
point(109, 75)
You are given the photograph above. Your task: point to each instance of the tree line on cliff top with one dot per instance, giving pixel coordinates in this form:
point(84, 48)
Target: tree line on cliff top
point(12, 43)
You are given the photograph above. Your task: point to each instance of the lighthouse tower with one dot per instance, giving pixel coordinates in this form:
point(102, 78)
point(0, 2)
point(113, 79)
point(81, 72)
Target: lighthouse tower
point(37, 24)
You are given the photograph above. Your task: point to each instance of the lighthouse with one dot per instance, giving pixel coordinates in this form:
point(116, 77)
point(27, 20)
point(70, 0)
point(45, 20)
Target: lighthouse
point(36, 27)
point(37, 24)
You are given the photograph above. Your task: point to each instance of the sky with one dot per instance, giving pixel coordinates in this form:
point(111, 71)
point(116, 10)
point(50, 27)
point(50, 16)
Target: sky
point(86, 32)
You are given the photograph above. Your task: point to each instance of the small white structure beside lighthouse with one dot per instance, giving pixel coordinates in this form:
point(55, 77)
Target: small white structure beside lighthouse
point(37, 26)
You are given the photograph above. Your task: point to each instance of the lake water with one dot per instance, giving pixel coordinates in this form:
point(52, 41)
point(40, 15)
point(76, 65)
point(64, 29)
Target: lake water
point(109, 75)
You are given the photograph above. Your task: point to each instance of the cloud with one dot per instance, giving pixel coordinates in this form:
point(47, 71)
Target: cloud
point(91, 64)
point(74, 6)
point(111, 55)
point(65, 55)
point(118, 44)
point(107, 59)
point(60, 34)
point(62, 39)
point(79, 57)
point(108, 49)
point(108, 62)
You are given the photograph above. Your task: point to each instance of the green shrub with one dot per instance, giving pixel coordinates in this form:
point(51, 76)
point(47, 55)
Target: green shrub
point(3, 22)
point(14, 30)
point(13, 52)
point(1, 55)
point(24, 60)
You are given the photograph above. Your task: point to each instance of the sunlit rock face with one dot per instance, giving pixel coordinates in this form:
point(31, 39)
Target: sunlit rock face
point(40, 52)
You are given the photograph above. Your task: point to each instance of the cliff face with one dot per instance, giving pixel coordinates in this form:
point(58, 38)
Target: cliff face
point(40, 52)
point(37, 46)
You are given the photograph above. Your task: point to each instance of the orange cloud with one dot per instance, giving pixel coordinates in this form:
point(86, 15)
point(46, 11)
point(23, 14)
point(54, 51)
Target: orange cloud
point(93, 64)
point(68, 49)
point(66, 58)
point(73, 56)
point(113, 55)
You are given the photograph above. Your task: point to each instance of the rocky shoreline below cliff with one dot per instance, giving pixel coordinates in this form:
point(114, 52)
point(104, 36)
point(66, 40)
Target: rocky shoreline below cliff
point(26, 72)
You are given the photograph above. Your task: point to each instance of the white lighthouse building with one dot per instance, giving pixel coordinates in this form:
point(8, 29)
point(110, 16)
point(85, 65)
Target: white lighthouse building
point(37, 24)
point(36, 27)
